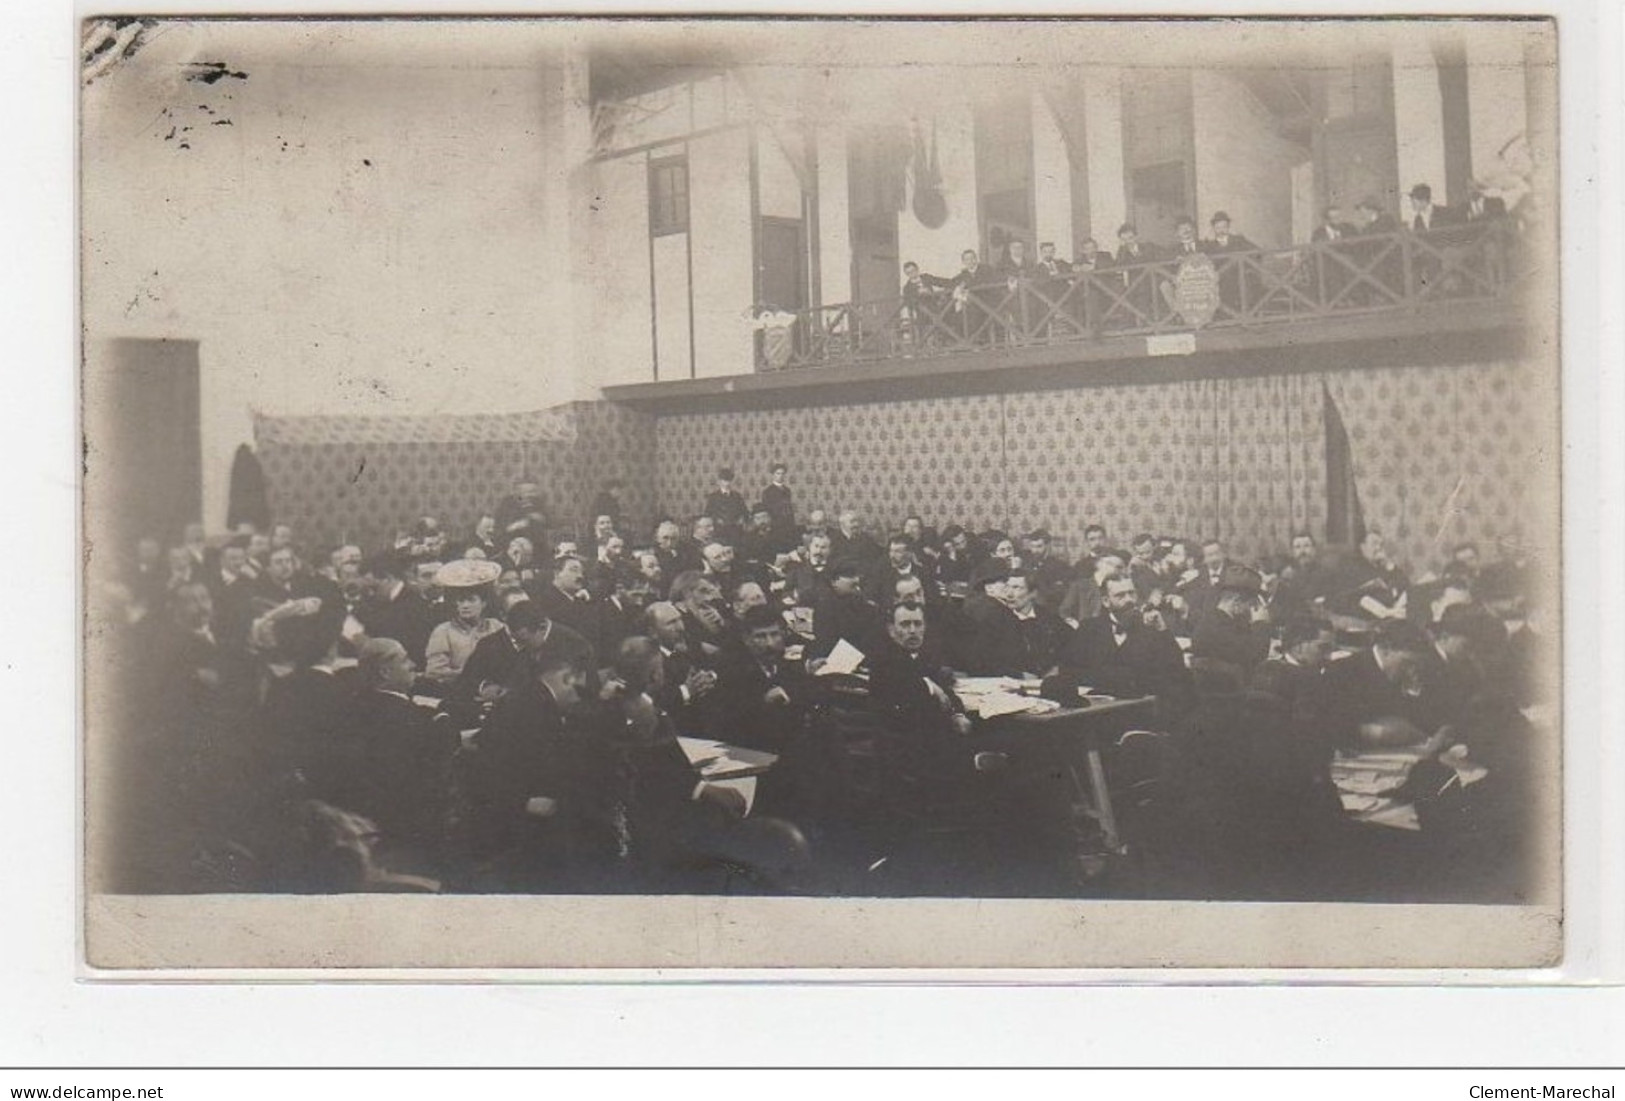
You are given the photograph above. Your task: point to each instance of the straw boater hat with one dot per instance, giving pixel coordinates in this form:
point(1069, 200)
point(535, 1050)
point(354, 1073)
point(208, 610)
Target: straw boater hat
point(467, 573)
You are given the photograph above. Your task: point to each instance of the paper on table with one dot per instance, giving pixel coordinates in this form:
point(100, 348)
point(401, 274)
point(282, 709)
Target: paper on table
point(744, 785)
point(994, 704)
point(845, 658)
point(699, 749)
point(737, 761)
point(977, 686)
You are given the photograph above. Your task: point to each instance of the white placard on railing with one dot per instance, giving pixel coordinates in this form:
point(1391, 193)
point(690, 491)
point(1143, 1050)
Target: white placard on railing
point(1170, 344)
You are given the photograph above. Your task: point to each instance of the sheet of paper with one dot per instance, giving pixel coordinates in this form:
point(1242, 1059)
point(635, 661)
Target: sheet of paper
point(737, 761)
point(994, 704)
point(699, 749)
point(744, 785)
point(845, 658)
point(980, 686)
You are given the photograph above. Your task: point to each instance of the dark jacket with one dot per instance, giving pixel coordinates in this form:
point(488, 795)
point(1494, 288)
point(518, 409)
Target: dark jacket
point(1148, 663)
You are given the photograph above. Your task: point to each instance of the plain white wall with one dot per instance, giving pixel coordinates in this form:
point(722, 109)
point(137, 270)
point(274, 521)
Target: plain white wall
point(1243, 165)
point(1052, 181)
point(432, 279)
point(1103, 133)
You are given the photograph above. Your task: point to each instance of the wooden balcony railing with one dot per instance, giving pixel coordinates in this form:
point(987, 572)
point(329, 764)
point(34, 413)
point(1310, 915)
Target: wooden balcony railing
point(1369, 274)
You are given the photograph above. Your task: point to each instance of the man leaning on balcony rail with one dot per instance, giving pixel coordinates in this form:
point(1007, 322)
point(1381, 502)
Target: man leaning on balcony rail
point(1368, 262)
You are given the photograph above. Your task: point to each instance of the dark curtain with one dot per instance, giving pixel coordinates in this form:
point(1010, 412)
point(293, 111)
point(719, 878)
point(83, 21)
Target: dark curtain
point(249, 501)
point(1344, 523)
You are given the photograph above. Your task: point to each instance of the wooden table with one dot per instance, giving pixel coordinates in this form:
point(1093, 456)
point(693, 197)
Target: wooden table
point(1092, 727)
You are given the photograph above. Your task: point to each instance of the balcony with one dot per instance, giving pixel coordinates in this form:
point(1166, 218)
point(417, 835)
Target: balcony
point(1385, 294)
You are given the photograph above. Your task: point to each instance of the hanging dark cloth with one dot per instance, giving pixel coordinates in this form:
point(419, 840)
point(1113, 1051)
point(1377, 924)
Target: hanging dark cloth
point(249, 501)
point(1345, 522)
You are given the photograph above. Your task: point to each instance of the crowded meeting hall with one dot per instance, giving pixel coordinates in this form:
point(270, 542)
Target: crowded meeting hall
point(1194, 539)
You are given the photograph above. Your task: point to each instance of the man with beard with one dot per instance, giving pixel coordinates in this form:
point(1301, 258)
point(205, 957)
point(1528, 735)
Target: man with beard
point(1116, 653)
point(1304, 581)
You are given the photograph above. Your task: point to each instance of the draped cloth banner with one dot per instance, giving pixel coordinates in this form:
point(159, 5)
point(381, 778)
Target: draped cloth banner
point(1240, 458)
point(1252, 461)
point(1444, 455)
point(1244, 459)
point(360, 479)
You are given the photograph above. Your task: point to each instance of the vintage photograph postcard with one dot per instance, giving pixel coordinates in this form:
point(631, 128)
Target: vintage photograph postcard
point(820, 494)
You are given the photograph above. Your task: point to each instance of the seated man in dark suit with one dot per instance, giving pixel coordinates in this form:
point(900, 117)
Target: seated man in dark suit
point(1228, 639)
point(620, 614)
point(669, 551)
point(844, 613)
point(953, 562)
point(705, 612)
point(566, 598)
point(1217, 570)
point(913, 692)
point(504, 659)
point(901, 561)
point(1373, 699)
point(1043, 633)
point(850, 543)
point(1294, 676)
point(759, 544)
point(1304, 579)
point(402, 763)
point(1375, 588)
point(532, 781)
point(1049, 570)
point(689, 675)
point(763, 697)
point(1116, 653)
point(986, 639)
point(811, 578)
point(405, 604)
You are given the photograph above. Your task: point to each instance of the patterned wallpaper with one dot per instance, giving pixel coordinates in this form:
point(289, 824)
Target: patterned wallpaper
point(1440, 454)
point(1242, 458)
point(1447, 454)
point(352, 479)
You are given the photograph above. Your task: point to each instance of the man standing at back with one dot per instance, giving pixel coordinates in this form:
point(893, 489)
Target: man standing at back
point(726, 505)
